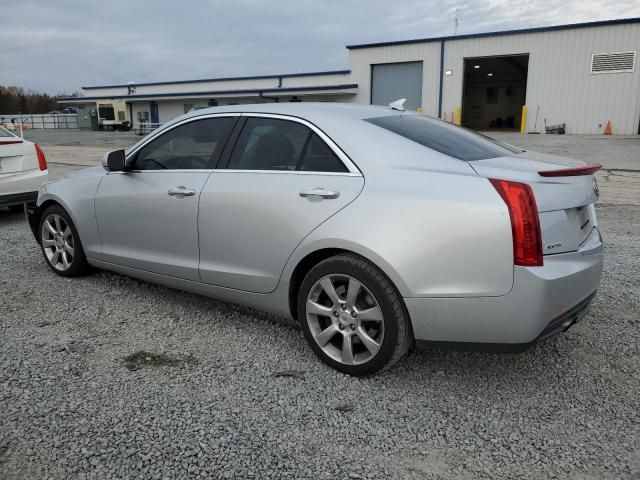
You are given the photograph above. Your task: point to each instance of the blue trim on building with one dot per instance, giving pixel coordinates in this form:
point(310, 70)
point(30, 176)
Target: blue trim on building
point(225, 79)
point(159, 96)
point(441, 78)
point(603, 23)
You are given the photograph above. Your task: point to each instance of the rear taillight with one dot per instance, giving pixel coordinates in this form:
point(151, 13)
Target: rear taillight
point(525, 223)
point(42, 161)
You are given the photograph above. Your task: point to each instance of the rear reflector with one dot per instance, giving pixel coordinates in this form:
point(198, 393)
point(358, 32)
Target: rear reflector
point(525, 223)
point(42, 161)
point(9, 142)
point(571, 172)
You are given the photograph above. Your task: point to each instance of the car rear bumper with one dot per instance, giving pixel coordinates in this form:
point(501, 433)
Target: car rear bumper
point(26, 182)
point(544, 301)
point(18, 198)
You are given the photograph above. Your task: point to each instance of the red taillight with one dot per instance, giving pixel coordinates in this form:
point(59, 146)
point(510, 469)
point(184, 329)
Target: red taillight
point(42, 161)
point(572, 171)
point(525, 224)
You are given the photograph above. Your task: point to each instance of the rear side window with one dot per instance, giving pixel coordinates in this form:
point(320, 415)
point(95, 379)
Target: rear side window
point(275, 144)
point(318, 157)
point(443, 137)
point(269, 144)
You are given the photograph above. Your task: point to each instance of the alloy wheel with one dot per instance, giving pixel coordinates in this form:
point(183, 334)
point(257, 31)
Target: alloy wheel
point(57, 242)
point(345, 319)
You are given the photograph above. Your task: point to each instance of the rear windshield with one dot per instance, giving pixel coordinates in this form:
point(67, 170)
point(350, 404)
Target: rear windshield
point(443, 137)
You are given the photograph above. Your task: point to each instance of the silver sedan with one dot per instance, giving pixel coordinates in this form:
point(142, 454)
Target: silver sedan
point(376, 228)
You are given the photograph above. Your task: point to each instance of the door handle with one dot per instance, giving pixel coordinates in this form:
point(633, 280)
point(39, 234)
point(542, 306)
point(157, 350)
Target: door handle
point(319, 192)
point(180, 192)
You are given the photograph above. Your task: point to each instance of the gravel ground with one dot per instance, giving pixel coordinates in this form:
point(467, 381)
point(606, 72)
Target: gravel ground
point(108, 377)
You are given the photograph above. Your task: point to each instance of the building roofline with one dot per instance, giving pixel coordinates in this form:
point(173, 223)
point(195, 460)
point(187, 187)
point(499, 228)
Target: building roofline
point(601, 23)
point(212, 93)
point(222, 79)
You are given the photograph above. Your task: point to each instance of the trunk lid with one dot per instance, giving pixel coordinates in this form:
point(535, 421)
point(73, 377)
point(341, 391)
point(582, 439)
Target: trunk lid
point(16, 155)
point(565, 203)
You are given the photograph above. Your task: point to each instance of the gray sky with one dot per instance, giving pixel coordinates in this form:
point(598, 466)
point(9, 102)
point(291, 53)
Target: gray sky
point(60, 45)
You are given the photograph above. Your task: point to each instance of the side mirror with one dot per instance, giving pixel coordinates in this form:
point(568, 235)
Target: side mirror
point(114, 161)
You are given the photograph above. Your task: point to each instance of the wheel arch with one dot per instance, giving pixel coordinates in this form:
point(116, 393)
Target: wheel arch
point(312, 258)
point(34, 215)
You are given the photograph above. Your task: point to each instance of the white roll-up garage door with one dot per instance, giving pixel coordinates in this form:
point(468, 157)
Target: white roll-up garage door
point(391, 81)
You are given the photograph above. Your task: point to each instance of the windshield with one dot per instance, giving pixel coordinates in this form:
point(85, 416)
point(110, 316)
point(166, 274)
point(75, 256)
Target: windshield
point(444, 137)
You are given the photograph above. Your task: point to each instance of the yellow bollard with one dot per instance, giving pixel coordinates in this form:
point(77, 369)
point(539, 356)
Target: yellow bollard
point(523, 120)
point(458, 115)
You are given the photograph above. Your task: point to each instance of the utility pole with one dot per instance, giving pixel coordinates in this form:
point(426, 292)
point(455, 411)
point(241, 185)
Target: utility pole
point(455, 23)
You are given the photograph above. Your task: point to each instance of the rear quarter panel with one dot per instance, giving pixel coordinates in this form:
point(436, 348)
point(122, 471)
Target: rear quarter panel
point(434, 234)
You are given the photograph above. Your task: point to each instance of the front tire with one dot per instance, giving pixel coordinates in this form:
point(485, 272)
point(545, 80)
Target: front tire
point(352, 316)
point(61, 244)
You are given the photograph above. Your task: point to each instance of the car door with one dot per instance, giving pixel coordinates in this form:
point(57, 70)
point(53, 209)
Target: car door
point(147, 215)
point(283, 179)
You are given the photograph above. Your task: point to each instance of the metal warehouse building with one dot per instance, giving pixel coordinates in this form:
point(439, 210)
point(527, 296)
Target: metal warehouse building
point(582, 75)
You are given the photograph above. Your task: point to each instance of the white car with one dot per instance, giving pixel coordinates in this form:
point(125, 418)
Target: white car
point(23, 168)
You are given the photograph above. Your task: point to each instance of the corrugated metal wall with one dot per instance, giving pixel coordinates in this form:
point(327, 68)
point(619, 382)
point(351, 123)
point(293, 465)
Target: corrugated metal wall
point(429, 53)
point(315, 80)
point(559, 79)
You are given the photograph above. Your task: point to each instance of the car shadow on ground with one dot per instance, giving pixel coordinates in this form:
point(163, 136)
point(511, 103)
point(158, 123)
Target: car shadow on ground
point(7, 215)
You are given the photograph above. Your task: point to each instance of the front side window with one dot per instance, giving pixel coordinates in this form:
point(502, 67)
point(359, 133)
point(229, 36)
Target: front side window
point(274, 144)
point(443, 137)
point(193, 145)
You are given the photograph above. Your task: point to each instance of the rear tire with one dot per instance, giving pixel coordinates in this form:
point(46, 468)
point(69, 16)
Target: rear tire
point(352, 316)
point(60, 243)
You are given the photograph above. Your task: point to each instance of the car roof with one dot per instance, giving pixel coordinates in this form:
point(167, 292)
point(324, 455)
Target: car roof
point(306, 110)
point(367, 145)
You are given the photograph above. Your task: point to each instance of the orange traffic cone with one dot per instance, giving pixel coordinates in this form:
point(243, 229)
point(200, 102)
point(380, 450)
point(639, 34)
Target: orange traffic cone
point(607, 129)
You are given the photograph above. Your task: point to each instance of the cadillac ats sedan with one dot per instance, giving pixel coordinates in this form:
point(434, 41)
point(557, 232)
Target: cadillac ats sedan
point(376, 228)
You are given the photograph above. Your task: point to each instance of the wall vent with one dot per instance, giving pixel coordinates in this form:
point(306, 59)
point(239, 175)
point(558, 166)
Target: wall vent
point(613, 62)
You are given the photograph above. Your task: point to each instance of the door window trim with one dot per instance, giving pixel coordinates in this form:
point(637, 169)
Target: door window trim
point(158, 133)
point(351, 167)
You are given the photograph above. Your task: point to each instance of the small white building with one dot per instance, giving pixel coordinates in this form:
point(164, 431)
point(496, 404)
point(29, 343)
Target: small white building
point(583, 75)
